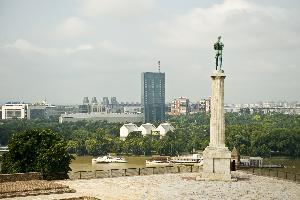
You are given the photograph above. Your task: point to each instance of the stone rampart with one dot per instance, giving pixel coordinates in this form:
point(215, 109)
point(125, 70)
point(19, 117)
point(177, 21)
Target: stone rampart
point(20, 177)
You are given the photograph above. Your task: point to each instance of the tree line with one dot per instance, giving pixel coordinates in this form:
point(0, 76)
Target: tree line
point(252, 134)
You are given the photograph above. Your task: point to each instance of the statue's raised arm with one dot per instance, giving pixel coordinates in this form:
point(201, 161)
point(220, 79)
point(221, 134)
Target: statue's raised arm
point(218, 46)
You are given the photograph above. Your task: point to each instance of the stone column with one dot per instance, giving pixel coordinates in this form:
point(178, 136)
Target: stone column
point(216, 163)
point(217, 121)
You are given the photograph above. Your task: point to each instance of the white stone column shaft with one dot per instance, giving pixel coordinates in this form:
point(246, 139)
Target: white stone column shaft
point(217, 120)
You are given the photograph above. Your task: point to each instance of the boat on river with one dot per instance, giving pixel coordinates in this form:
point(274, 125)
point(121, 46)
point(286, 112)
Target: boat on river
point(273, 166)
point(108, 159)
point(188, 159)
point(159, 161)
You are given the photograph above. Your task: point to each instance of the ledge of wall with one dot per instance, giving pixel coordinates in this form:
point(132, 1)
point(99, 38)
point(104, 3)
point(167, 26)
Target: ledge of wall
point(20, 177)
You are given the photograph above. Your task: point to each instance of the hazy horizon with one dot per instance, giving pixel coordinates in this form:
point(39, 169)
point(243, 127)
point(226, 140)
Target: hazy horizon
point(65, 50)
point(167, 101)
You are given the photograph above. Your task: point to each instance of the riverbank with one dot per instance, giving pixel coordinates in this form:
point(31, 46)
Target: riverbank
point(179, 186)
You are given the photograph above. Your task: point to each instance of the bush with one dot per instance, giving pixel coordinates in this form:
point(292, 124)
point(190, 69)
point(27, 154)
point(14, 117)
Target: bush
point(37, 151)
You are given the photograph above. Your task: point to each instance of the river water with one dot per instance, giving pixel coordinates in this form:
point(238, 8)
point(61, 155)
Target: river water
point(84, 163)
point(290, 165)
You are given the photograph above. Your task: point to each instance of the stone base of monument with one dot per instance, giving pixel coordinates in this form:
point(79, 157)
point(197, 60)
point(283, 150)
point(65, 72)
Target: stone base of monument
point(216, 164)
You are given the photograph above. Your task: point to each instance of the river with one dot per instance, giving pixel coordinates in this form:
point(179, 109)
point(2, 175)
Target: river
point(84, 163)
point(290, 165)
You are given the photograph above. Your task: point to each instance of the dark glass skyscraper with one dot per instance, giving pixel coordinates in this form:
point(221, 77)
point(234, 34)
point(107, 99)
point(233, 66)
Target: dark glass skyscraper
point(153, 96)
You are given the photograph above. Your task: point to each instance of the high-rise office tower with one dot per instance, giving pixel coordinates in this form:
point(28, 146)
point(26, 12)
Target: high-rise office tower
point(153, 96)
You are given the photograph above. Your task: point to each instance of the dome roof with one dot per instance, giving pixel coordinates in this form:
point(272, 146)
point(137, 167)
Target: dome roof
point(234, 152)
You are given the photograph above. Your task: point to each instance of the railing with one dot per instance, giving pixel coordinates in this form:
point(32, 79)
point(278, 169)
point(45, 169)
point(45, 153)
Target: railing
point(273, 173)
point(133, 172)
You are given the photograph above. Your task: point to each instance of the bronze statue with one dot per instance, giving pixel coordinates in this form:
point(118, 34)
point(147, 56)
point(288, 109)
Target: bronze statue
point(218, 46)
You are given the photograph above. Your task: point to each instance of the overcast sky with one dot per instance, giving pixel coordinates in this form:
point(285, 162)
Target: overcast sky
point(67, 49)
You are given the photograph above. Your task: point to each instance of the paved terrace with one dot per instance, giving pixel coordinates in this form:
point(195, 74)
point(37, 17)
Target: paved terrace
point(178, 186)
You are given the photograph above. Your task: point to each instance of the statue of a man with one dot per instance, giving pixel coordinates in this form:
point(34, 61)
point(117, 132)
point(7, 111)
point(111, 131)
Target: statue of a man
point(218, 46)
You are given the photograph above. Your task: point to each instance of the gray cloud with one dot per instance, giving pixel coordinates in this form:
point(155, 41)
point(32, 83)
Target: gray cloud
point(100, 49)
point(261, 44)
point(72, 27)
point(26, 46)
point(115, 8)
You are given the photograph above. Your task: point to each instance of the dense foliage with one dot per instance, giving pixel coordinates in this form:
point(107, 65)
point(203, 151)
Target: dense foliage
point(37, 151)
point(251, 134)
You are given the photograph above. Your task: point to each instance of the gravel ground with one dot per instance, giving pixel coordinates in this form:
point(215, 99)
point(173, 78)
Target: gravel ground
point(179, 186)
point(32, 187)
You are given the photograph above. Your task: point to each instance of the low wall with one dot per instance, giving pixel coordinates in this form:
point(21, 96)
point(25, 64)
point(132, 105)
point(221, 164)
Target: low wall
point(134, 171)
point(20, 177)
point(274, 172)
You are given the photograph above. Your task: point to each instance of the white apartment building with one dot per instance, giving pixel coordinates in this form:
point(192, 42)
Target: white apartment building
point(145, 129)
point(99, 116)
point(14, 110)
point(180, 106)
point(164, 128)
point(126, 129)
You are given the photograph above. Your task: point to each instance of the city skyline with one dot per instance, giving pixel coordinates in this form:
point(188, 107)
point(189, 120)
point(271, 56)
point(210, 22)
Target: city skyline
point(71, 49)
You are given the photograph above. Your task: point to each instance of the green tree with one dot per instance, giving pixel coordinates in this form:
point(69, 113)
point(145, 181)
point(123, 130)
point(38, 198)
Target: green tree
point(92, 147)
point(134, 143)
point(72, 146)
point(279, 133)
point(37, 151)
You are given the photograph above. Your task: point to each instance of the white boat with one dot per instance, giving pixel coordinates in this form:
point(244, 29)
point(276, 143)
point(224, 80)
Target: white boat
point(188, 159)
point(159, 161)
point(108, 159)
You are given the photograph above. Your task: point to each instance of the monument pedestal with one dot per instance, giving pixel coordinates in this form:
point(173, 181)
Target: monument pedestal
point(216, 164)
point(217, 157)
